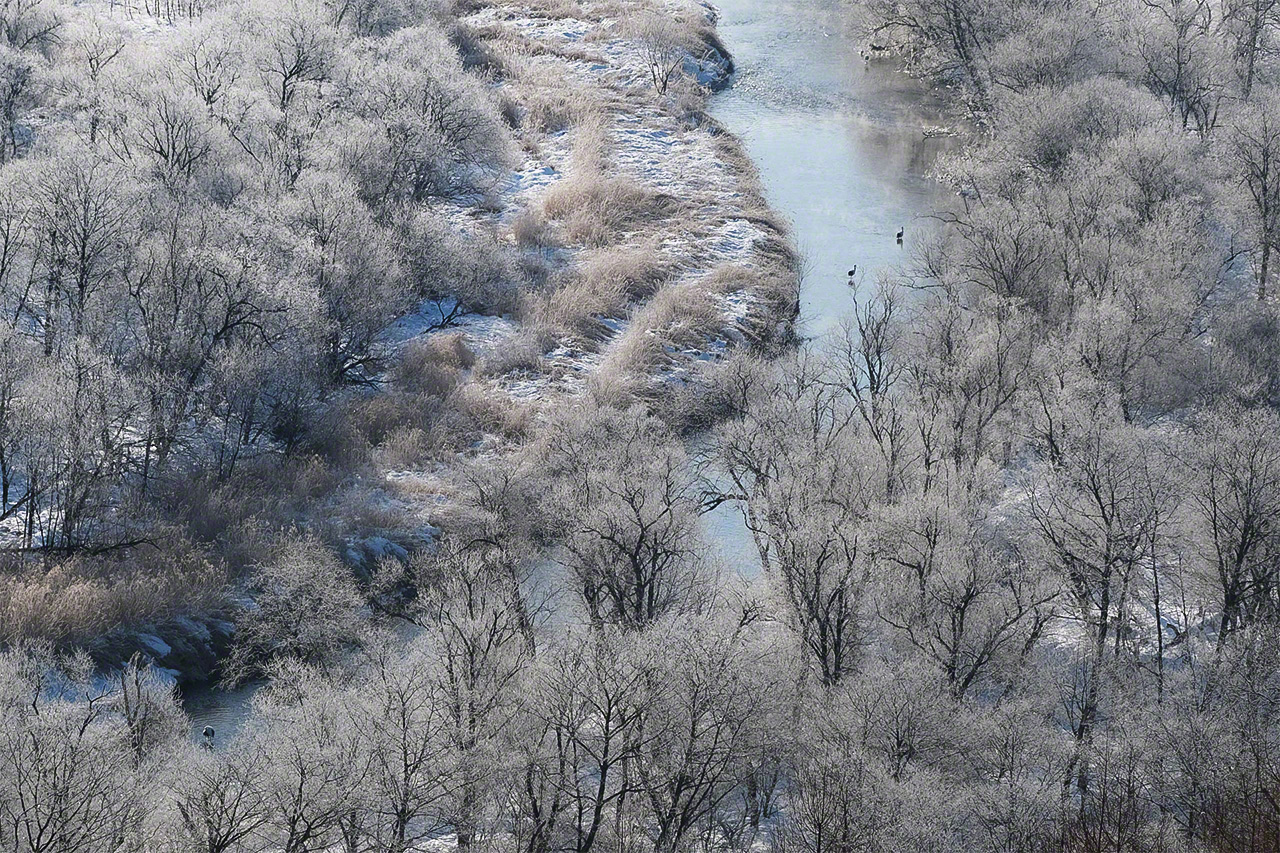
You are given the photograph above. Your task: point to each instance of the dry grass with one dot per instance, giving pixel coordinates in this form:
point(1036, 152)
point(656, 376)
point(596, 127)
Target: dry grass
point(604, 283)
point(511, 113)
point(406, 448)
point(774, 283)
point(572, 308)
point(84, 597)
point(683, 316)
point(733, 278)
point(599, 211)
point(594, 208)
point(365, 509)
point(492, 411)
point(532, 231)
point(616, 390)
point(491, 50)
point(554, 9)
point(639, 269)
point(591, 143)
point(432, 365)
point(730, 152)
point(778, 269)
point(548, 109)
point(521, 352)
point(377, 417)
point(535, 84)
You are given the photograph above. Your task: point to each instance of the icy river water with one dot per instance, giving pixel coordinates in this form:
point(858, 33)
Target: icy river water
point(842, 152)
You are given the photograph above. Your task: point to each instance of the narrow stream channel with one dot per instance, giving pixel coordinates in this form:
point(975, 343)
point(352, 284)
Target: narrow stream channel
point(842, 154)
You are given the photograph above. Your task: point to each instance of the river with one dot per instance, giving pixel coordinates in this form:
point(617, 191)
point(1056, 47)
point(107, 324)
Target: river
point(842, 153)
point(839, 142)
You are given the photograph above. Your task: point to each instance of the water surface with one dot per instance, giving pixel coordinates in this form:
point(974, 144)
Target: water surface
point(840, 143)
point(227, 711)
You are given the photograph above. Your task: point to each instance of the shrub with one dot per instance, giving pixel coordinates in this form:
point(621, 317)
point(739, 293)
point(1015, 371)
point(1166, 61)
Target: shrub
point(470, 265)
point(521, 351)
point(432, 365)
point(307, 608)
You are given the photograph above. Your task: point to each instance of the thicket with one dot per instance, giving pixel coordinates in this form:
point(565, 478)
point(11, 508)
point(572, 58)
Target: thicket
point(208, 220)
point(210, 217)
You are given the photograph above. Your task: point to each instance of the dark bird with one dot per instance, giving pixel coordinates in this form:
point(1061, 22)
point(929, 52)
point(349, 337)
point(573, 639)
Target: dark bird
point(900, 230)
point(853, 271)
point(208, 737)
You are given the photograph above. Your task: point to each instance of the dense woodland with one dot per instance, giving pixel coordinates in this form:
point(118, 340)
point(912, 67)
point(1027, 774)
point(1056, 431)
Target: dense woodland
point(201, 240)
point(1019, 522)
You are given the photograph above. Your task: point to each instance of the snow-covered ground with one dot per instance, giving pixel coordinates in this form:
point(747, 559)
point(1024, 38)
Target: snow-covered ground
point(649, 144)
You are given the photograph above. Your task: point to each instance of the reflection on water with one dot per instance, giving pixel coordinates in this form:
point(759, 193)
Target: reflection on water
point(839, 142)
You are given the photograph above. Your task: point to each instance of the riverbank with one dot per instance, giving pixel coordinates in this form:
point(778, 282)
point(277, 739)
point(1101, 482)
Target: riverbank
point(783, 90)
point(643, 221)
point(651, 255)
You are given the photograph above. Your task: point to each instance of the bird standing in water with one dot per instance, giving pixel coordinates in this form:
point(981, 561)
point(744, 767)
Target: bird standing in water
point(852, 273)
point(900, 230)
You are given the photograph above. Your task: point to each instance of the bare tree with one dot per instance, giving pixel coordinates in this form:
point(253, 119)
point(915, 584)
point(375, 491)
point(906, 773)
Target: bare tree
point(1235, 459)
point(81, 221)
point(402, 715)
point(30, 24)
point(959, 34)
point(314, 768)
point(1183, 59)
point(1251, 24)
point(67, 777)
point(220, 800)
point(1252, 147)
point(966, 603)
point(702, 726)
point(628, 501)
point(341, 249)
point(1096, 514)
point(801, 471)
point(476, 629)
point(19, 82)
point(664, 45)
point(296, 50)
